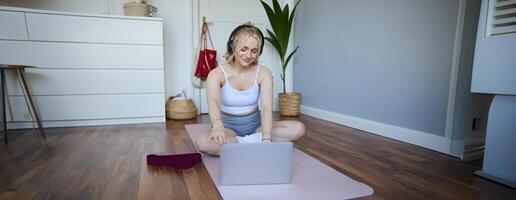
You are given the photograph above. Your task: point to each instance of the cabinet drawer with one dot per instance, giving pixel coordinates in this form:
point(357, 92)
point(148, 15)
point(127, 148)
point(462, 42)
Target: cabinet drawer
point(82, 55)
point(74, 82)
point(87, 107)
point(12, 26)
point(68, 28)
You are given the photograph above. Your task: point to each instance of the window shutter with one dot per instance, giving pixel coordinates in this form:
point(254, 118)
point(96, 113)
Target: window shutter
point(501, 17)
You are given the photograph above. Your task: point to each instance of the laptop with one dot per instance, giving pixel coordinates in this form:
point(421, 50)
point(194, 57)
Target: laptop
point(256, 163)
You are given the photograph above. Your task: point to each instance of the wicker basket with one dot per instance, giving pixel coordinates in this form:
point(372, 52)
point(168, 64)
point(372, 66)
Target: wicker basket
point(180, 109)
point(289, 104)
point(136, 9)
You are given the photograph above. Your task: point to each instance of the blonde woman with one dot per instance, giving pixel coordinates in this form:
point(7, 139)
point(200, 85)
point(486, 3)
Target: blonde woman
point(240, 97)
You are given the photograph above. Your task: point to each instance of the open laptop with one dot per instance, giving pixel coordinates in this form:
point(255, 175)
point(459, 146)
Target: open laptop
point(256, 163)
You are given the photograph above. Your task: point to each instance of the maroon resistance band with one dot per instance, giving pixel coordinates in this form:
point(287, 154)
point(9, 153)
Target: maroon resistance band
point(180, 161)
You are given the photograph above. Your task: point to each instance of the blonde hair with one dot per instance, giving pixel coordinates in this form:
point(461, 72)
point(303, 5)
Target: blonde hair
point(251, 32)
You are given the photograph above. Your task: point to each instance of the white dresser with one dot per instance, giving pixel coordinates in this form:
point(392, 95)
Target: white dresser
point(92, 69)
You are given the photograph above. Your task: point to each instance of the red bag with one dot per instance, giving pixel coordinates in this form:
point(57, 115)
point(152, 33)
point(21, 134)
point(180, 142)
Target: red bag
point(207, 60)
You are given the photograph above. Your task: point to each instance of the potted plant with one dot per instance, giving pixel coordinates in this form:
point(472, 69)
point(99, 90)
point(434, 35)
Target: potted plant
point(281, 20)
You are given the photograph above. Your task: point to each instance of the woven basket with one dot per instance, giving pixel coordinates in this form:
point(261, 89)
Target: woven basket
point(180, 109)
point(136, 9)
point(289, 104)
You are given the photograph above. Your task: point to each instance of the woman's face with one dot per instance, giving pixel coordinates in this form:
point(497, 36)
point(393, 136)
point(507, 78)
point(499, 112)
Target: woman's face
point(247, 51)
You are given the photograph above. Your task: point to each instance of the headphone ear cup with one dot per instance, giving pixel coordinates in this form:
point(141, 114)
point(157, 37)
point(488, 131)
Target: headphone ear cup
point(231, 39)
point(263, 40)
point(229, 46)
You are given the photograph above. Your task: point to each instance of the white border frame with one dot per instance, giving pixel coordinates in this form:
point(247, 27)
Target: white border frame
point(454, 73)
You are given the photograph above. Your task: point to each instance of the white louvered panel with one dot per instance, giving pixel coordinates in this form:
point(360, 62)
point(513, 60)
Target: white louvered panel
point(504, 30)
point(493, 65)
point(503, 17)
point(500, 13)
point(505, 3)
point(505, 20)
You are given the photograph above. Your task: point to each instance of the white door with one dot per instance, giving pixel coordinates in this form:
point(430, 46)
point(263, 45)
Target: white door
point(223, 16)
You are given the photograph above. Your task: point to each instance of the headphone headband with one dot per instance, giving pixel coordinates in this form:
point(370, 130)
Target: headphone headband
point(235, 31)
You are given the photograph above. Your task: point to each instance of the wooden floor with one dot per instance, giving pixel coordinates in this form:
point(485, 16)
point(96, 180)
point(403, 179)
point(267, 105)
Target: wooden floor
point(107, 162)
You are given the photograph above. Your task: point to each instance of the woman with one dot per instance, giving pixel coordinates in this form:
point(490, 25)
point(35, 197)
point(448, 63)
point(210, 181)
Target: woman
point(240, 97)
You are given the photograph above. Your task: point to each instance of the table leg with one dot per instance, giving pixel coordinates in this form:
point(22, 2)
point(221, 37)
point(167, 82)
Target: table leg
point(4, 117)
point(31, 103)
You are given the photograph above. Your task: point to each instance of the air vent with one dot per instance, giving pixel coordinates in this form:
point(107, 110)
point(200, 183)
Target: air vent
point(502, 17)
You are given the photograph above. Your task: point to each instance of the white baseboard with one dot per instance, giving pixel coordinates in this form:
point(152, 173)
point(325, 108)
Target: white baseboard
point(426, 140)
point(92, 122)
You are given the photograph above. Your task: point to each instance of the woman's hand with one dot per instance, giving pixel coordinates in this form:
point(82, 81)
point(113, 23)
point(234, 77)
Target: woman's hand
point(217, 134)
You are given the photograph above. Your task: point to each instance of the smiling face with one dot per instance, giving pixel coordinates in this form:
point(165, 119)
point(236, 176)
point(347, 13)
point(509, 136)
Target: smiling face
point(247, 51)
point(245, 46)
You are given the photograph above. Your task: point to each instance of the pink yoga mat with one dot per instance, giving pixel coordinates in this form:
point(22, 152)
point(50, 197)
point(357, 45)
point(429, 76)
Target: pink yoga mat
point(310, 179)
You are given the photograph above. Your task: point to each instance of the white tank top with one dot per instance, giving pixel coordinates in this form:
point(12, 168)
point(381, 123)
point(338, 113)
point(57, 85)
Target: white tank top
point(236, 101)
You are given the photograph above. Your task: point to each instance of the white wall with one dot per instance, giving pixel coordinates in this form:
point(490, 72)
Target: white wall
point(387, 67)
point(176, 21)
point(176, 16)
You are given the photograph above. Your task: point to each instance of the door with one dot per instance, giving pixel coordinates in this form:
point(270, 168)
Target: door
point(222, 17)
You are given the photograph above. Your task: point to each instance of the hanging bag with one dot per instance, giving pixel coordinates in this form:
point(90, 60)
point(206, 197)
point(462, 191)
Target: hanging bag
point(196, 82)
point(207, 60)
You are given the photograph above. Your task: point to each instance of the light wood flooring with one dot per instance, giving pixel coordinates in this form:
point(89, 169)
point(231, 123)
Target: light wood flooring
point(108, 162)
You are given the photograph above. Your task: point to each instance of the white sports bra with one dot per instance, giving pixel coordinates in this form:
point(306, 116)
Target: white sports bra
point(236, 101)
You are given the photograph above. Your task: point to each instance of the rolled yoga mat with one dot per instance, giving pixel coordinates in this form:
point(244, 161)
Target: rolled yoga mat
point(310, 179)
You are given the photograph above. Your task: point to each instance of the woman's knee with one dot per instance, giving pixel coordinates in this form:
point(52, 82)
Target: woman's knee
point(204, 146)
point(299, 129)
point(289, 130)
point(200, 143)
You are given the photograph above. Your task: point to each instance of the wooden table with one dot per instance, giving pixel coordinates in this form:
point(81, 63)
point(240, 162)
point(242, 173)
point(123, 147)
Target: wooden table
point(20, 70)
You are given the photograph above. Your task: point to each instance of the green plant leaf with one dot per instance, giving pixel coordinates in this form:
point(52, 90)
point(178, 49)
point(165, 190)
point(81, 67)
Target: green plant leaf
point(272, 16)
point(289, 57)
point(284, 22)
point(277, 8)
point(281, 50)
point(291, 18)
point(275, 44)
point(281, 21)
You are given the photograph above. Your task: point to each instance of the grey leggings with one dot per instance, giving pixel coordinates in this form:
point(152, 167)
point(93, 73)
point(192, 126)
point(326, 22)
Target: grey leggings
point(242, 125)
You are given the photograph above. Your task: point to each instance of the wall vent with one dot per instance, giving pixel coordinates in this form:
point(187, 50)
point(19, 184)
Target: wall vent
point(501, 17)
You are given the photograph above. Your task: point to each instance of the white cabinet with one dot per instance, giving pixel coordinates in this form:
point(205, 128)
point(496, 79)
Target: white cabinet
point(92, 69)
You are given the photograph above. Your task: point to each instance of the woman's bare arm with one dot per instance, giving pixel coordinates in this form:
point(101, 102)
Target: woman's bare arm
point(213, 97)
point(266, 92)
